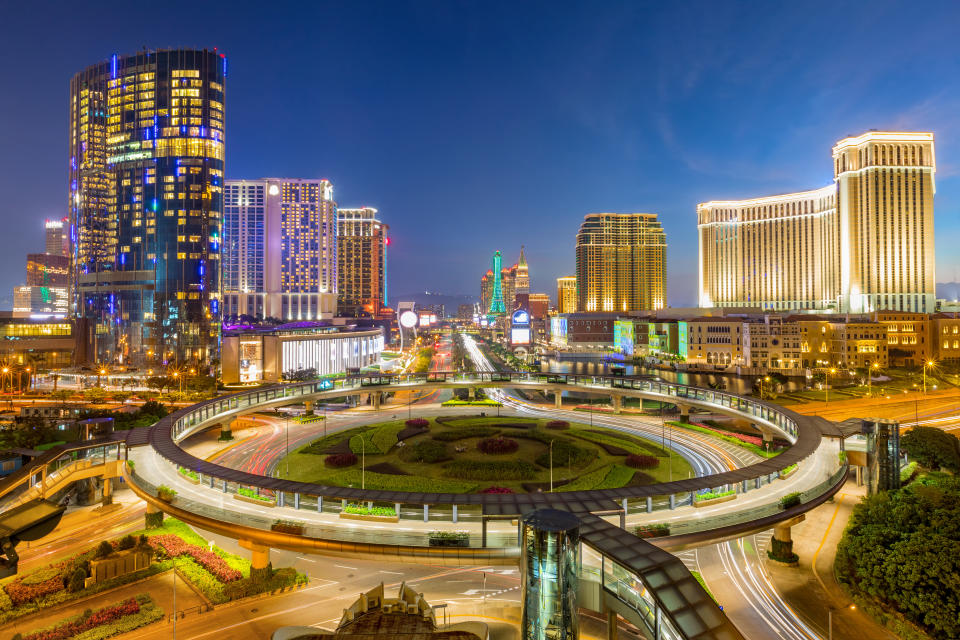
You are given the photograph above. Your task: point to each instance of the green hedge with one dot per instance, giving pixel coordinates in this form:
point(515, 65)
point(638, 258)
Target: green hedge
point(389, 482)
point(490, 470)
point(610, 476)
point(424, 451)
point(740, 443)
point(633, 445)
point(385, 437)
point(711, 495)
point(566, 453)
point(362, 510)
point(464, 433)
point(321, 445)
point(790, 500)
point(250, 493)
point(148, 614)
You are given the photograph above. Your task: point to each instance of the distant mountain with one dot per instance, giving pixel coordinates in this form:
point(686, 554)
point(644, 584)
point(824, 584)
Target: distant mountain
point(948, 290)
point(427, 298)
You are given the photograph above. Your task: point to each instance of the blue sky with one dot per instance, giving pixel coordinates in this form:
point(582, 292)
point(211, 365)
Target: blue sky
point(479, 126)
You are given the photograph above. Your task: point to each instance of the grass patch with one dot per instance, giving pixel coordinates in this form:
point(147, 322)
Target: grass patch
point(321, 445)
point(740, 443)
point(611, 476)
point(624, 441)
point(388, 482)
point(492, 470)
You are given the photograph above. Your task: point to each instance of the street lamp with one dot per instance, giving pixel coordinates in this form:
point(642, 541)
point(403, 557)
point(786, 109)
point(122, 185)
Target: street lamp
point(852, 607)
point(101, 372)
point(762, 380)
point(830, 372)
point(551, 466)
point(363, 461)
point(928, 363)
point(873, 367)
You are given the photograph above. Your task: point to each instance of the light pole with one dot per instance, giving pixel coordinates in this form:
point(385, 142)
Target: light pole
point(829, 373)
point(551, 466)
point(875, 365)
point(928, 363)
point(767, 379)
point(852, 607)
point(286, 422)
point(363, 461)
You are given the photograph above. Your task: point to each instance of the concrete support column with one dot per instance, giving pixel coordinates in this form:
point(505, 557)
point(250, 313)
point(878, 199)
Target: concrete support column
point(319, 504)
point(224, 486)
point(623, 519)
point(280, 498)
point(617, 402)
point(375, 397)
point(649, 504)
point(472, 393)
point(296, 501)
point(684, 412)
point(426, 513)
point(558, 399)
point(781, 545)
point(107, 487)
point(611, 624)
point(153, 518)
point(454, 513)
point(343, 505)
point(260, 568)
point(396, 508)
point(226, 433)
point(483, 531)
point(673, 501)
point(308, 405)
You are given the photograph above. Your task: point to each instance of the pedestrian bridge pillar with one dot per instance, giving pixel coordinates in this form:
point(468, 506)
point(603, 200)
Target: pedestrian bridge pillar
point(781, 544)
point(558, 399)
point(472, 393)
point(308, 406)
point(260, 567)
point(617, 402)
point(684, 412)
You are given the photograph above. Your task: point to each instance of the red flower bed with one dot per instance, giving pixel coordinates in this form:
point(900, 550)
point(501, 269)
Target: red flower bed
point(175, 546)
point(498, 445)
point(97, 618)
point(417, 422)
point(558, 424)
point(497, 490)
point(338, 460)
point(754, 440)
point(21, 593)
point(642, 462)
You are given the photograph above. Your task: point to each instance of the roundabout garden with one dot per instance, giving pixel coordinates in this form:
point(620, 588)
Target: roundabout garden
point(480, 454)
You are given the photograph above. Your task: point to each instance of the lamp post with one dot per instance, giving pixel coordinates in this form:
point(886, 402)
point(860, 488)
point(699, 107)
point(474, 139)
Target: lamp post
point(830, 611)
point(100, 372)
point(830, 372)
point(928, 363)
point(875, 365)
point(762, 380)
point(286, 422)
point(551, 466)
point(363, 461)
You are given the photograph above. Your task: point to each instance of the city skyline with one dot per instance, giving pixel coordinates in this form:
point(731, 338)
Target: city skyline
point(663, 155)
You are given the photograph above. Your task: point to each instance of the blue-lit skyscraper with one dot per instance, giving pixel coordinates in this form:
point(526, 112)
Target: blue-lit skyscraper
point(146, 163)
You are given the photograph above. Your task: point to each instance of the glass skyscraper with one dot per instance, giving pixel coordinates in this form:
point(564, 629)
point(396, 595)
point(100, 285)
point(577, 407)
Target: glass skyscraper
point(146, 162)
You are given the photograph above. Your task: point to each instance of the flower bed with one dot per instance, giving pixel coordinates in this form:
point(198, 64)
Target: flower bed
point(191, 475)
point(375, 514)
point(753, 443)
point(790, 500)
point(109, 621)
point(498, 445)
point(492, 470)
point(789, 471)
point(559, 425)
point(638, 461)
point(497, 490)
point(287, 526)
point(652, 530)
point(709, 497)
point(21, 592)
point(339, 460)
point(449, 539)
point(165, 493)
point(175, 547)
point(244, 492)
point(417, 422)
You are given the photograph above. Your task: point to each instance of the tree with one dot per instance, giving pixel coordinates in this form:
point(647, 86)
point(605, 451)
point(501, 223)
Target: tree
point(153, 408)
point(159, 382)
point(932, 448)
point(95, 395)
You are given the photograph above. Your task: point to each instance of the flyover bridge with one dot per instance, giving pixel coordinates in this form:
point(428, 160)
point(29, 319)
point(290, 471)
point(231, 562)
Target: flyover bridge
point(637, 579)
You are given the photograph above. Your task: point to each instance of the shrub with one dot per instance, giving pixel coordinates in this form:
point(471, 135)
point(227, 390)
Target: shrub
point(79, 624)
point(498, 445)
point(932, 447)
point(417, 422)
point(250, 493)
point(713, 495)
point(165, 493)
point(338, 460)
point(287, 526)
point(189, 473)
point(565, 453)
point(790, 500)
point(493, 470)
point(559, 425)
point(652, 530)
point(361, 510)
point(153, 520)
point(103, 550)
point(642, 462)
point(126, 542)
point(496, 489)
point(449, 539)
point(76, 580)
point(20, 593)
point(42, 575)
point(425, 451)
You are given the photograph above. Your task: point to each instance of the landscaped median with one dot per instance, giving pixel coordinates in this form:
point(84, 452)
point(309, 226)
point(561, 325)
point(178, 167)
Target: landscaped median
point(220, 576)
point(749, 442)
point(106, 622)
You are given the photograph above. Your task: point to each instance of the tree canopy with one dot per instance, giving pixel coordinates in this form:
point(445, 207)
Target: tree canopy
point(932, 448)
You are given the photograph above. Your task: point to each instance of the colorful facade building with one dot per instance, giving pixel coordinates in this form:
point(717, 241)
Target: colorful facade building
point(621, 263)
point(280, 249)
point(145, 163)
point(860, 245)
point(362, 240)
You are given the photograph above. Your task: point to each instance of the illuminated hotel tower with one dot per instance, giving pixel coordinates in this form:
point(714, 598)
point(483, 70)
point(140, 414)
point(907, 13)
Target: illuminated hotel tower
point(496, 291)
point(521, 282)
point(567, 294)
point(145, 198)
point(621, 262)
point(279, 249)
point(362, 243)
point(864, 243)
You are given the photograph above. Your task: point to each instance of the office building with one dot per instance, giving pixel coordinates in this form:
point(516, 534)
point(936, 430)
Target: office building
point(362, 243)
point(567, 294)
point(29, 301)
point(48, 270)
point(145, 159)
point(621, 262)
point(521, 278)
point(862, 244)
point(279, 249)
point(486, 291)
point(56, 237)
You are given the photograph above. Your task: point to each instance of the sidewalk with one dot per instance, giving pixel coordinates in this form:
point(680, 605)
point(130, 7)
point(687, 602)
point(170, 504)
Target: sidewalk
point(811, 588)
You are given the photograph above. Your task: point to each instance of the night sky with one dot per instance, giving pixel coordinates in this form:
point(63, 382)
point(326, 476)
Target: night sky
point(486, 125)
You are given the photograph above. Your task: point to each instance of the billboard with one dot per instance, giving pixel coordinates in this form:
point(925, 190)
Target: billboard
point(520, 327)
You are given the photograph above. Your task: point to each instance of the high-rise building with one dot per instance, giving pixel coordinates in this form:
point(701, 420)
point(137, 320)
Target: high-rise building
point(486, 291)
point(56, 237)
point(862, 244)
point(521, 281)
point(279, 249)
point(621, 262)
point(496, 289)
point(567, 294)
point(146, 153)
point(362, 242)
point(48, 270)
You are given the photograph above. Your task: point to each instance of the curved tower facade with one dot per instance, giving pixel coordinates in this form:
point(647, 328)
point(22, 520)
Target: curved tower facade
point(146, 164)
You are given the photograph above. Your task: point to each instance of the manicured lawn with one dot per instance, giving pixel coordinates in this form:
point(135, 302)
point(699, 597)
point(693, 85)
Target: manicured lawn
point(579, 455)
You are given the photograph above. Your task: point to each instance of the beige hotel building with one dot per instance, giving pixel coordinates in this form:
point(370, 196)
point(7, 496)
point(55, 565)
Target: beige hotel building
point(862, 244)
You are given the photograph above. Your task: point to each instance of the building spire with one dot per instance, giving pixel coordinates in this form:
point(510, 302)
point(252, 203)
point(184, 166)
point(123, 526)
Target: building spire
point(523, 260)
